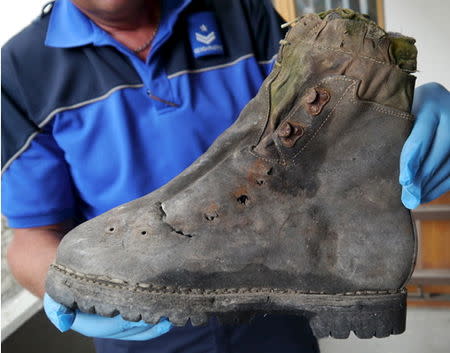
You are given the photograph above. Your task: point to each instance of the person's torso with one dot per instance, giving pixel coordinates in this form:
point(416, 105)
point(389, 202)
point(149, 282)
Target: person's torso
point(127, 127)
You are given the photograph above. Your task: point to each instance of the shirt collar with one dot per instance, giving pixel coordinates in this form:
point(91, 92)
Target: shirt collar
point(69, 27)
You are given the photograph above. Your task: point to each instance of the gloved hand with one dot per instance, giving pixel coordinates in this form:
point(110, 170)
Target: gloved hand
point(425, 158)
point(101, 327)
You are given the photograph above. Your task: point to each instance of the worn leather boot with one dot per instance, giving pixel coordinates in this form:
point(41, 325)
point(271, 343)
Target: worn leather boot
point(295, 209)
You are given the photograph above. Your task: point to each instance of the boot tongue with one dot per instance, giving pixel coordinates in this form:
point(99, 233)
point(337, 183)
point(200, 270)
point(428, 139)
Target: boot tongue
point(402, 51)
point(343, 13)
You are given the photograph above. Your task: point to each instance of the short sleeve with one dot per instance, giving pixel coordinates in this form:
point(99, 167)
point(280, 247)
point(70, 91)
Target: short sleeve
point(36, 184)
point(36, 187)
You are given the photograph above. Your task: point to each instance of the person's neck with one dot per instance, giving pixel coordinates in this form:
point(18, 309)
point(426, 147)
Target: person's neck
point(133, 30)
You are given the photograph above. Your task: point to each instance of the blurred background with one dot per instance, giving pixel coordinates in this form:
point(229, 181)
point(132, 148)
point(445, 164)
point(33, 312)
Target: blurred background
point(24, 327)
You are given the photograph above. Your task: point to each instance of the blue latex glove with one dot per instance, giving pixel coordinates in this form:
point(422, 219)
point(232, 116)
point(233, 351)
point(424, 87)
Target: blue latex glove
point(425, 158)
point(101, 327)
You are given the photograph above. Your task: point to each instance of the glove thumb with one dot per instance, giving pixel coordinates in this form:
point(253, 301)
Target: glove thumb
point(60, 316)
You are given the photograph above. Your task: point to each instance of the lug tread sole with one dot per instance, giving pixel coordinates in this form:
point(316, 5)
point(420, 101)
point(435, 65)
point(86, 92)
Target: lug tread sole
point(367, 315)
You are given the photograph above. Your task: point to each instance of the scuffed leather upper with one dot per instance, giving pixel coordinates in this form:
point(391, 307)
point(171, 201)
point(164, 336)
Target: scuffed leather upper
point(300, 193)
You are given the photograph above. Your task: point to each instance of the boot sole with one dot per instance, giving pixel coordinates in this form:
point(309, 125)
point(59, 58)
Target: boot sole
point(366, 313)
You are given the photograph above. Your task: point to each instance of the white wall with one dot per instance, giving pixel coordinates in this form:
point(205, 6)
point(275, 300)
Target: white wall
point(16, 14)
point(427, 21)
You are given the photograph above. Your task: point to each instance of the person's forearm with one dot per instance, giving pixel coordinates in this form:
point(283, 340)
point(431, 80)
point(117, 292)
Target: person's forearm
point(31, 252)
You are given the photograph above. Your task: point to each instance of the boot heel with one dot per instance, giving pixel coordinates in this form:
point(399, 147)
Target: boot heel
point(367, 316)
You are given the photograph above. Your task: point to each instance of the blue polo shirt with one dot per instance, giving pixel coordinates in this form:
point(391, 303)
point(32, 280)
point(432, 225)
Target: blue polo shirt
point(87, 126)
point(106, 127)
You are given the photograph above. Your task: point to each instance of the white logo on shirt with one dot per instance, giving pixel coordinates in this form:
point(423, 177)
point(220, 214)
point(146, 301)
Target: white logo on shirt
point(205, 39)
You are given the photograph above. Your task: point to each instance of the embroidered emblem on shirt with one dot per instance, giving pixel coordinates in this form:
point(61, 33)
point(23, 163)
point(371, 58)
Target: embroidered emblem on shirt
point(204, 35)
point(205, 39)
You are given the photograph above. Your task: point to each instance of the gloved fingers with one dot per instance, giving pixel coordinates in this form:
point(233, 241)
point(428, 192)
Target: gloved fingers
point(439, 176)
point(428, 107)
point(416, 148)
point(441, 187)
point(132, 331)
point(139, 329)
point(435, 168)
point(98, 326)
point(439, 152)
point(146, 334)
point(61, 316)
point(410, 168)
point(411, 191)
point(93, 325)
point(410, 159)
point(424, 165)
point(434, 171)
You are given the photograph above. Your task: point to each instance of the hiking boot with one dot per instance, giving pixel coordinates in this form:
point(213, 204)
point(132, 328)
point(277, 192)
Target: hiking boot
point(295, 209)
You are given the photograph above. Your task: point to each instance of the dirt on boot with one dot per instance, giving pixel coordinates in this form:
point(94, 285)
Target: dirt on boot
point(295, 209)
